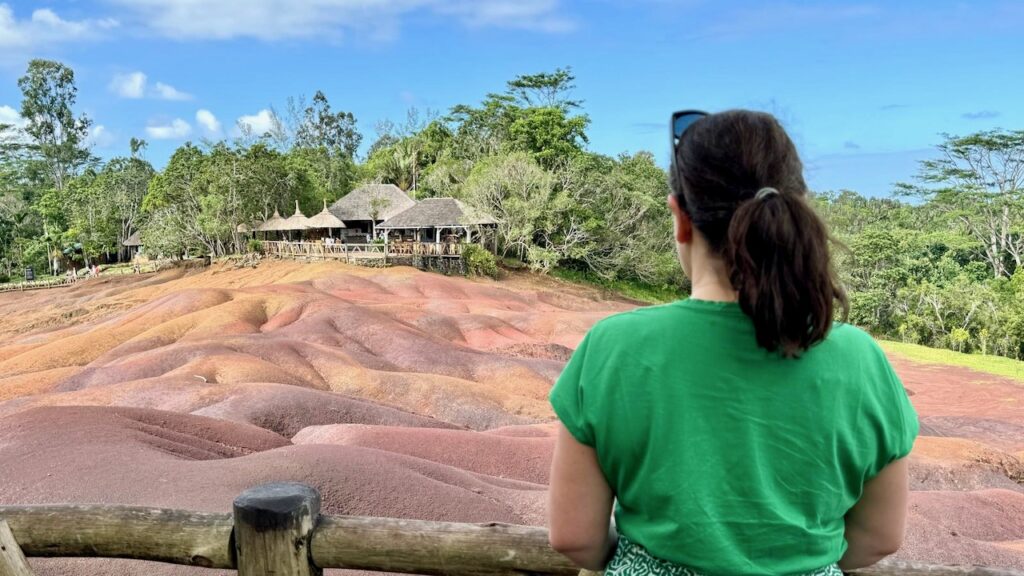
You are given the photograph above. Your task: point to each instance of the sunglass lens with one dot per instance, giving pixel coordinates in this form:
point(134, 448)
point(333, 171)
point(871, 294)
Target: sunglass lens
point(682, 122)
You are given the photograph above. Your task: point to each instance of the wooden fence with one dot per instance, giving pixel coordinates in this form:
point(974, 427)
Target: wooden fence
point(356, 253)
point(277, 529)
point(121, 270)
point(35, 285)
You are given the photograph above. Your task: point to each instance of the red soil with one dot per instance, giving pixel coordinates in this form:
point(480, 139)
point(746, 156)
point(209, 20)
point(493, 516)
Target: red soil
point(395, 393)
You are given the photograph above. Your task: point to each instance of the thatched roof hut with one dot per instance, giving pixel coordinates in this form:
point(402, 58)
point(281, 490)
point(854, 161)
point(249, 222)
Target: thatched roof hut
point(296, 221)
point(133, 241)
point(438, 213)
point(272, 224)
point(325, 219)
point(359, 204)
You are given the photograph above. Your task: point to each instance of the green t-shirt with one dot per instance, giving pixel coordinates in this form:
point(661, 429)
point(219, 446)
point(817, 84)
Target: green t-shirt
point(725, 457)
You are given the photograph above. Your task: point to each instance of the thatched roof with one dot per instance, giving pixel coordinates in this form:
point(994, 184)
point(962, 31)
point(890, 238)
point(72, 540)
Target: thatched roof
point(133, 241)
point(357, 204)
point(437, 213)
point(273, 224)
point(325, 219)
point(296, 221)
point(243, 228)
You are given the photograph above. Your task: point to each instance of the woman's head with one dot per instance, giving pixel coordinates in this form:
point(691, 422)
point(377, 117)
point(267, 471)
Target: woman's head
point(773, 246)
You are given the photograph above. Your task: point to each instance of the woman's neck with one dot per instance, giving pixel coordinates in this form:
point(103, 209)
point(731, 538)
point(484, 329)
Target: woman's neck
point(714, 292)
point(711, 280)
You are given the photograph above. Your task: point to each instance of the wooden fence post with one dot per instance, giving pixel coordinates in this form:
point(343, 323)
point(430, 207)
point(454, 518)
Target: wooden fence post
point(273, 527)
point(12, 560)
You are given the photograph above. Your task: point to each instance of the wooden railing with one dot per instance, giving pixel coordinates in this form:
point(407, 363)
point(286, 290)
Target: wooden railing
point(65, 280)
point(36, 284)
point(277, 529)
point(356, 252)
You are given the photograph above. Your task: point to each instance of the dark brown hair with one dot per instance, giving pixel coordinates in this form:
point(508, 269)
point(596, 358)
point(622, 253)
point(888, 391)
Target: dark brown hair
point(775, 245)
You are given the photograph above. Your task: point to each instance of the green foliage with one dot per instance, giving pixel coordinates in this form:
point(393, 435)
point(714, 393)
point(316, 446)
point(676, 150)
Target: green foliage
point(533, 115)
point(978, 182)
point(57, 135)
point(321, 128)
point(479, 261)
point(632, 289)
point(254, 245)
point(917, 276)
point(944, 270)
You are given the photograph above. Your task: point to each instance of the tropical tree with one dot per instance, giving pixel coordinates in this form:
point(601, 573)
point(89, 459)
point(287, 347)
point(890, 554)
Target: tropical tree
point(58, 136)
point(979, 180)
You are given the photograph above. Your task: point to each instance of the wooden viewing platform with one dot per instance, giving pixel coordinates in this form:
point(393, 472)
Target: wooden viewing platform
point(277, 529)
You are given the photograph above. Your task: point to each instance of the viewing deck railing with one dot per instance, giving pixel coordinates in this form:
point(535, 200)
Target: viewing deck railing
point(277, 529)
point(350, 252)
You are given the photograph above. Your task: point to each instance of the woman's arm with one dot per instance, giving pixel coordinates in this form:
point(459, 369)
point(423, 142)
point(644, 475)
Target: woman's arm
point(876, 523)
point(580, 504)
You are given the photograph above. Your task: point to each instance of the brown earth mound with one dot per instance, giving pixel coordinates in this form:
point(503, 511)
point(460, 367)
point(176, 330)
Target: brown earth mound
point(959, 464)
point(394, 392)
point(979, 527)
point(414, 341)
point(522, 458)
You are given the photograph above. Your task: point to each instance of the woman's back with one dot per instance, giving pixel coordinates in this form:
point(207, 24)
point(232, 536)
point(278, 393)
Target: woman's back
point(742, 431)
point(725, 457)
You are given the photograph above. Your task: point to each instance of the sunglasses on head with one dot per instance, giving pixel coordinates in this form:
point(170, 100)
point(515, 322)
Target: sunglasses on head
point(682, 120)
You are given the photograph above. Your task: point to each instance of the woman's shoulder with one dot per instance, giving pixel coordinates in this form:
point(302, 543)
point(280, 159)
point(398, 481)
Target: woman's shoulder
point(853, 339)
point(636, 318)
point(849, 346)
point(640, 328)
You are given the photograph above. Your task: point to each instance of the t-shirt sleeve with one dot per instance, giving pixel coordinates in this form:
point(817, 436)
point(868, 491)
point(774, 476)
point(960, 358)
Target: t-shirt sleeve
point(567, 396)
point(898, 418)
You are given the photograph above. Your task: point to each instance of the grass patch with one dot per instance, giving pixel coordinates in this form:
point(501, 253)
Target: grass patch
point(997, 365)
point(628, 288)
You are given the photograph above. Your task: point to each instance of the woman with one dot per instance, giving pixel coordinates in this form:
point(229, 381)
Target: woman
point(739, 431)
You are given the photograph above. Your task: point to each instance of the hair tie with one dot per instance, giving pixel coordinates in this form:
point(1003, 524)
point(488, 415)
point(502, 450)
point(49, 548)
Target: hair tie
point(765, 193)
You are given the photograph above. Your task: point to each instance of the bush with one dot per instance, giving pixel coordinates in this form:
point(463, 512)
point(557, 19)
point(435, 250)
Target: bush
point(255, 245)
point(479, 261)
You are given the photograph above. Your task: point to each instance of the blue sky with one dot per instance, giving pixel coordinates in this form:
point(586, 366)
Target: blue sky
point(865, 88)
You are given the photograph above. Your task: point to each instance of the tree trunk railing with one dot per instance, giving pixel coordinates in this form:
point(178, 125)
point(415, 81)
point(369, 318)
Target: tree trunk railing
point(277, 529)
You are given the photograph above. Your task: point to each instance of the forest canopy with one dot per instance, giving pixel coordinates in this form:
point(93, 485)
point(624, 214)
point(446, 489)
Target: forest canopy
point(937, 263)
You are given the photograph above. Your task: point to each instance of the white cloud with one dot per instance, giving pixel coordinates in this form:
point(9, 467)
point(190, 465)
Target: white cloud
point(45, 27)
point(131, 85)
point(280, 19)
point(539, 15)
point(11, 116)
point(101, 137)
point(168, 92)
point(207, 120)
point(134, 85)
point(259, 123)
point(177, 129)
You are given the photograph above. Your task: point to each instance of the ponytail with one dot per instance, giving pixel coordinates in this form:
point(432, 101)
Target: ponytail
point(775, 246)
point(777, 252)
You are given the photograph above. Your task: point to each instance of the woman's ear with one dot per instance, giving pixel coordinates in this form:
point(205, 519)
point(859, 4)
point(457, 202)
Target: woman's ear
point(683, 224)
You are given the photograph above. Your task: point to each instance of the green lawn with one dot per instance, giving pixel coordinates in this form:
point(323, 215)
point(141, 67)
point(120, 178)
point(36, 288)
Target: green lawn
point(997, 365)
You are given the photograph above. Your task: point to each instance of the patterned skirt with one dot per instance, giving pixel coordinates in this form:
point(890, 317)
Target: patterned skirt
point(632, 559)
